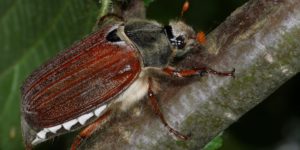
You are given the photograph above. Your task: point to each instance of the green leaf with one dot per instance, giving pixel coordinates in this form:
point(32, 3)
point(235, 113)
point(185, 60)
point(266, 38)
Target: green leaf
point(30, 33)
point(147, 2)
point(215, 143)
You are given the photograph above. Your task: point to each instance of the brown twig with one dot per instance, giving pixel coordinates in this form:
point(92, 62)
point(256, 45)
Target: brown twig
point(260, 40)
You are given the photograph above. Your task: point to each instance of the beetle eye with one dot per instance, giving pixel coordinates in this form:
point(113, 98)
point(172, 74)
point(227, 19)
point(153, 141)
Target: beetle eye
point(180, 42)
point(112, 36)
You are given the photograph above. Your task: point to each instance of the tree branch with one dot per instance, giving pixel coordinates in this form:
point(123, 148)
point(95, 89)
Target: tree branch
point(260, 40)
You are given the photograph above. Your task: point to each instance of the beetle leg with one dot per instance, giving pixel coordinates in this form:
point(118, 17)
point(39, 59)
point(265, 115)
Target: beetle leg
point(198, 71)
point(156, 109)
point(89, 130)
point(104, 19)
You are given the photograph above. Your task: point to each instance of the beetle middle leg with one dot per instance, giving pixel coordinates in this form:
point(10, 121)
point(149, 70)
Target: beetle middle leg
point(156, 109)
point(89, 130)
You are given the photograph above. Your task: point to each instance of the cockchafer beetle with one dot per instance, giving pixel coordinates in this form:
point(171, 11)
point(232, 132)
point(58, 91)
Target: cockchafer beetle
point(114, 65)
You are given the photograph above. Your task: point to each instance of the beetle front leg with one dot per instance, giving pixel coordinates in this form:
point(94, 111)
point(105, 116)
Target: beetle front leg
point(89, 130)
point(198, 71)
point(156, 109)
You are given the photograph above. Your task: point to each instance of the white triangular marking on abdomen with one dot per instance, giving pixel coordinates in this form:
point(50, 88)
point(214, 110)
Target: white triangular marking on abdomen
point(99, 110)
point(68, 125)
point(37, 140)
point(42, 134)
point(54, 129)
point(82, 119)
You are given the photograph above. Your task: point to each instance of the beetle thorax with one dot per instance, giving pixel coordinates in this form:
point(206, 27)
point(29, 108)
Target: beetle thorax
point(151, 42)
point(158, 44)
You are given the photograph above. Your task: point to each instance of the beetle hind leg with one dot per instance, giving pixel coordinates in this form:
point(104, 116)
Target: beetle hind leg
point(89, 130)
point(156, 109)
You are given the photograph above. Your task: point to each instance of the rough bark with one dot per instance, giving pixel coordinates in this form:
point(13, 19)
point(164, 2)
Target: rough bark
point(261, 40)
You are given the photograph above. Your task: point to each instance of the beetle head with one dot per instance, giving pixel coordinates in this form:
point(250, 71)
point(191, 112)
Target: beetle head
point(182, 37)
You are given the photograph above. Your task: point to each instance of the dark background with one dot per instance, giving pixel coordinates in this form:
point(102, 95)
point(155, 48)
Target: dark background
point(272, 125)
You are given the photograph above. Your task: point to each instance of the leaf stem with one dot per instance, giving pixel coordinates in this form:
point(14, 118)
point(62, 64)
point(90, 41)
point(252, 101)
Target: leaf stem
point(105, 5)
